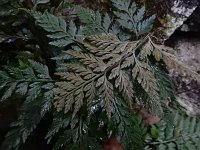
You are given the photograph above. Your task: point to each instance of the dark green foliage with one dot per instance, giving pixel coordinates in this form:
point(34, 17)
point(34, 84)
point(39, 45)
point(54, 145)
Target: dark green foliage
point(32, 113)
point(184, 133)
point(76, 136)
point(128, 126)
point(164, 83)
point(94, 22)
point(56, 28)
point(110, 66)
point(31, 80)
point(129, 17)
point(8, 12)
point(74, 133)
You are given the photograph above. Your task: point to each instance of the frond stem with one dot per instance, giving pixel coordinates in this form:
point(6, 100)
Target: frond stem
point(161, 142)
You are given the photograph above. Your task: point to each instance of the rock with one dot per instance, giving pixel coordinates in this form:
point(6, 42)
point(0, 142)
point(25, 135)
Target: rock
point(187, 48)
point(193, 22)
point(173, 14)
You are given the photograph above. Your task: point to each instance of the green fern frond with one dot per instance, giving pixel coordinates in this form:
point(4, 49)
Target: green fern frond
point(33, 81)
point(145, 26)
point(73, 132)
point(93, 22)
point(122, 5)
point(26, 81)
point(60, 33)
point(31, 116)
point(130, 18)
point(58, 123)
point(76, 137)
point(8, 8)
point(127, 126)
point(184, 134)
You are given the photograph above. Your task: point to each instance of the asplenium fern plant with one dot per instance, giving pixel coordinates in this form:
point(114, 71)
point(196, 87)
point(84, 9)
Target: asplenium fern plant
point(109, 66)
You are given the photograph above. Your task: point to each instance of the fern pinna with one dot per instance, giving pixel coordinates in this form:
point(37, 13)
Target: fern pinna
point(108, 68)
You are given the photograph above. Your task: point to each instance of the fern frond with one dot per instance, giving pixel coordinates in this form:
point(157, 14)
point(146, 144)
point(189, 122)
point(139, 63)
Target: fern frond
point(33, 82)
point(32, 114)
point(49, 22)
point(139, 14)
point(74, 87)
point(125, 86)
point(60, 33)
point(145, 26)
point(110, 77)
point(145, 77)
point(101, 79)
point(122, 5)
point(184, 134)
point(88, 59)
point(105, 43)
point(74, 133)
point(106, 93)
point(164, 83)
point(106, 22)
point(131, 18)
point(19, 80)
point(146, 50)
point(128, 126)
point(58, 123)
point(94, 23)
point(86, 73)
point(108, 56)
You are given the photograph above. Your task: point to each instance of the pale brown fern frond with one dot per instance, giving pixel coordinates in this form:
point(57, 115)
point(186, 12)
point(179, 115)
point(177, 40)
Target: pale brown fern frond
point(107, 70)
